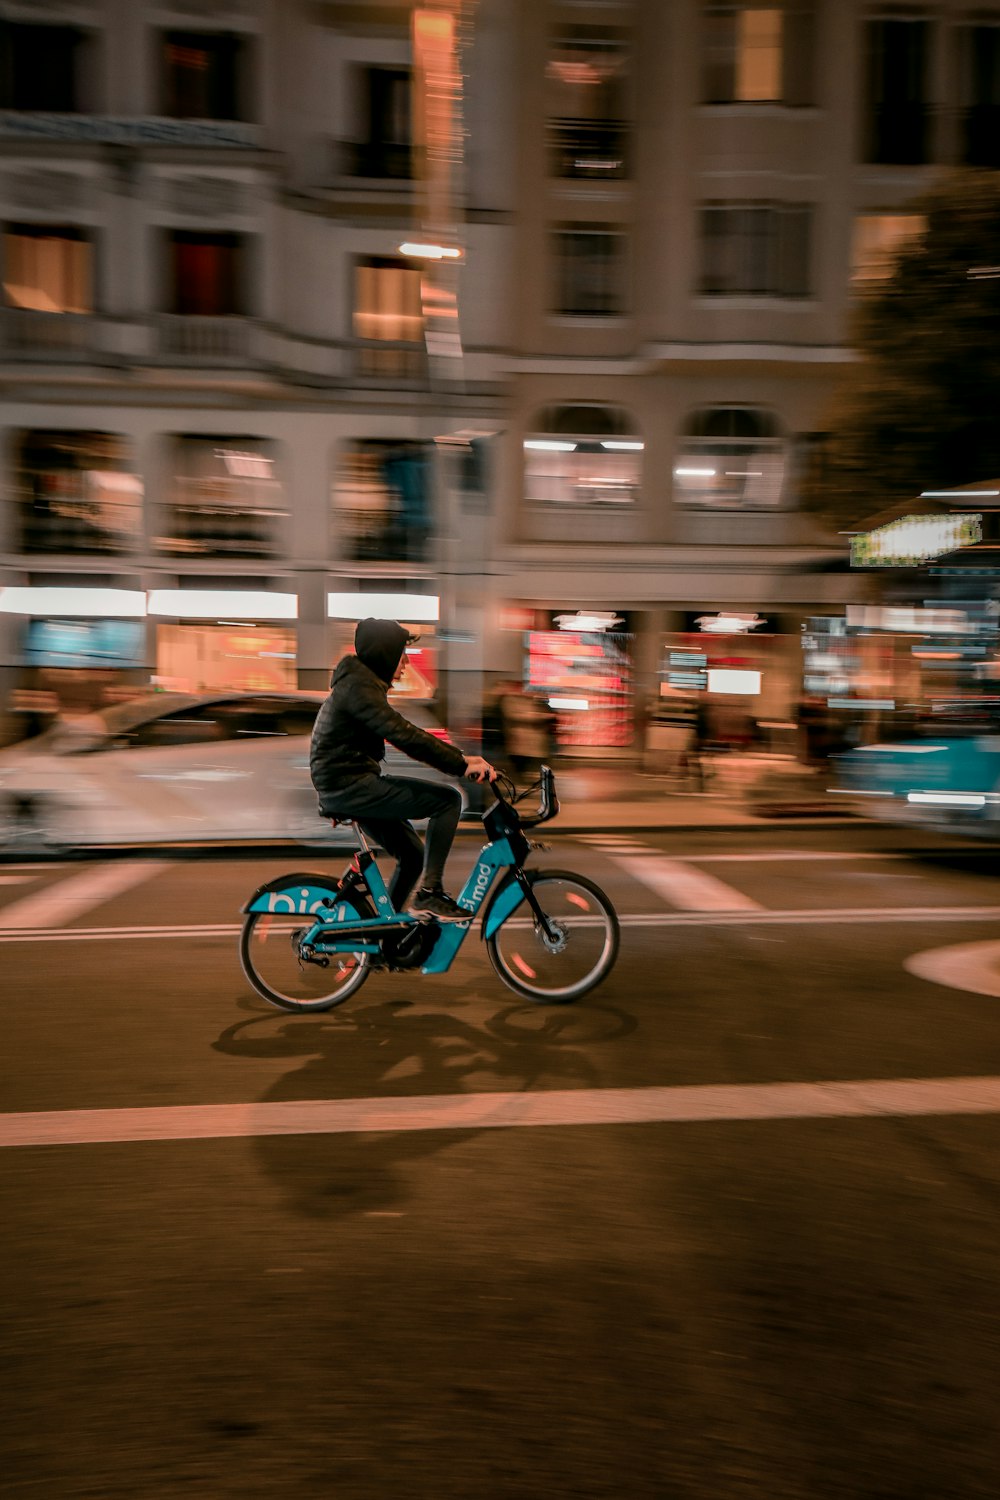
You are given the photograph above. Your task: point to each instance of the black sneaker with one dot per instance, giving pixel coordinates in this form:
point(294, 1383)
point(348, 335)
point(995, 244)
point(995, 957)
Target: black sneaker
point(437, 904)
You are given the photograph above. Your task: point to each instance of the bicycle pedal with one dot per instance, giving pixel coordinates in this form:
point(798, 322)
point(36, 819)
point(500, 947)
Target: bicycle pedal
point(536, 844)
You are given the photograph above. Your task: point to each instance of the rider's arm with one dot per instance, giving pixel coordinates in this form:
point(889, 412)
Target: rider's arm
point(378, 715)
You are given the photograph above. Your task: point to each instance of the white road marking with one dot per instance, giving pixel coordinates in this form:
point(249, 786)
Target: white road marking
point(37, 866)
point(767, 855)
point(806, 917)
point(966, 966)
point(70, 898)
point(708, 1103)
point(684, 886)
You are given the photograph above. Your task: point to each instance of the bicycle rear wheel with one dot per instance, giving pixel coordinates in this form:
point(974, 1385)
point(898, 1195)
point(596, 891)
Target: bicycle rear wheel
point(273, 961)
point(580, 953)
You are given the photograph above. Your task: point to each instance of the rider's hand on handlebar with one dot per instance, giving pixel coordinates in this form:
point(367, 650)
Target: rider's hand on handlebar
point(479, 769)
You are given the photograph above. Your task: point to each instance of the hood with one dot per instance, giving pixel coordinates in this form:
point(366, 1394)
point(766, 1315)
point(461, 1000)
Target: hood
point(379, 645)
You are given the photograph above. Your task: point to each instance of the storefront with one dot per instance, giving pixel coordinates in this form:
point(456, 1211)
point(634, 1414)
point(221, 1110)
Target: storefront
point(223, 640)
point(202, 656)
point(746, 668)
point(582, 667)
point(79, 647)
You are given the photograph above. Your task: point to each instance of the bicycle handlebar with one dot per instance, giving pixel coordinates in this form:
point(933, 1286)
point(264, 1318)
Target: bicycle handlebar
point(548, 805)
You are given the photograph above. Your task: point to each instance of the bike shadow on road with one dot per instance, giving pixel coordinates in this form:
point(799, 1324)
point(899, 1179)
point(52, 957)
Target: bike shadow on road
point(387, 1050)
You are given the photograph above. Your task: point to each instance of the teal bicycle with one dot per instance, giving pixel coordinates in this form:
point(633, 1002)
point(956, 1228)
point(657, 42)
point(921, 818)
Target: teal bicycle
point(309, 941)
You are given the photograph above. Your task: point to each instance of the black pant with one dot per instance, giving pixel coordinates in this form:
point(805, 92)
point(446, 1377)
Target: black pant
point(382, 807)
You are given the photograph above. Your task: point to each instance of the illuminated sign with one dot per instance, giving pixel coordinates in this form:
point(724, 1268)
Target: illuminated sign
point(409, 608)
point(729, 623)
point(914, 539)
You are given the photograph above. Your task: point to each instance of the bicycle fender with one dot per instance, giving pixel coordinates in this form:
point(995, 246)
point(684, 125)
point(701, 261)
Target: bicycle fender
point(506, 899)
point(302, 893)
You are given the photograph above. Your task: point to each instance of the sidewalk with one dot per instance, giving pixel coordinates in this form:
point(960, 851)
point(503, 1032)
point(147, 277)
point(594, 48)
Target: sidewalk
point(745, 791)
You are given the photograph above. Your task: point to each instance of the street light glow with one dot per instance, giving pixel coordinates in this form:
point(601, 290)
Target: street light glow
point(422, 251)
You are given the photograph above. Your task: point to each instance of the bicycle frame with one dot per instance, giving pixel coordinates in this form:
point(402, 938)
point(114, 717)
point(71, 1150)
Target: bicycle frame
point(337, 929)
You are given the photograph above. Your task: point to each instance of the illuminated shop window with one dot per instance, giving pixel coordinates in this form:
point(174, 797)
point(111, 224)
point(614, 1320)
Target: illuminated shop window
point(388, 316)
point(586, 77)
point(48, 268)
point(583, 455)
point(381, 500)
point(77, 492)
point(730, 458)
point(758, 54)
point(878, 241)
point(225, 499)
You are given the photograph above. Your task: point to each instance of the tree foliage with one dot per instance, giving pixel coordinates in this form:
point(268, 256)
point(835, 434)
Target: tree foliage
point(921, 408)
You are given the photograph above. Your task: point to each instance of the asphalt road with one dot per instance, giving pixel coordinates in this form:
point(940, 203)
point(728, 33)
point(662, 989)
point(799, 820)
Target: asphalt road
point(712, 1293)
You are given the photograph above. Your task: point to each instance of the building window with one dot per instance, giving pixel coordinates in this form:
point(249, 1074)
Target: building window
point(586, 77)
point(203, 75)
point(730, 458)
point(583, 455)
point(226, 499)
point(381, 500)
point(758, 54)
point(589, 270)
point(77, 492)
point(878, 242)
point(48, 268)
point(755, 249)
point(39, 67)
point(208, 273)
point(388, 316)
point(897, 111)
point(979, 92)
point(383, 147)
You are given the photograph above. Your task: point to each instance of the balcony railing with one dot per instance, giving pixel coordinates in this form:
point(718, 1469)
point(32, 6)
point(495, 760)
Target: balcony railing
point(44, 335)
point(204, 339)
point(379, 357)
point(592, 149)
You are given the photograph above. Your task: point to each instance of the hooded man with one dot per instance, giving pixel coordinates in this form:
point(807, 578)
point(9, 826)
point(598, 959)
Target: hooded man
point(348, 744)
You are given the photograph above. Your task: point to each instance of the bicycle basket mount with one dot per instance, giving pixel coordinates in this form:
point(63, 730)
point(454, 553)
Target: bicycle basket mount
point(501, 821)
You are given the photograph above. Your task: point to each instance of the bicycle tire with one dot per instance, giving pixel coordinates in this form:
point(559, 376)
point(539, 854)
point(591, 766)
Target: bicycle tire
point(349, 969)
point(527, 966)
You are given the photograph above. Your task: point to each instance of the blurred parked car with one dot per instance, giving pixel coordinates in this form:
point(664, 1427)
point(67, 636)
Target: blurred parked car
point(175, 768)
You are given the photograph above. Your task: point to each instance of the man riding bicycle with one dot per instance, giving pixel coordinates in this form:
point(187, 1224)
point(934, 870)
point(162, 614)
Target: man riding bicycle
point(348, 744)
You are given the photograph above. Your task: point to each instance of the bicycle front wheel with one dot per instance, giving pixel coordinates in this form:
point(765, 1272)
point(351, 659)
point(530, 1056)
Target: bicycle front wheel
point(577, 955)
point(274, 962)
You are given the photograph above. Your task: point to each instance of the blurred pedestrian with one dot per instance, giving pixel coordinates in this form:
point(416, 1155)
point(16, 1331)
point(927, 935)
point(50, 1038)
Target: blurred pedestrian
point(527, 729)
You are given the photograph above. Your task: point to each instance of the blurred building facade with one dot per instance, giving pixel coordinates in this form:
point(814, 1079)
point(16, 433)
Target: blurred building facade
point(234, 406)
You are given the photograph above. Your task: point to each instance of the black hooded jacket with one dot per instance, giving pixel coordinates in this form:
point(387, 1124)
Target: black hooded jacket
point(348, 739)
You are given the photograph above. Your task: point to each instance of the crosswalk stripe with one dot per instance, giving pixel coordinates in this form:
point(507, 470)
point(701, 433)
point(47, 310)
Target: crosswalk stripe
point(684, 886)
point(848, 1099)
point(68, 899)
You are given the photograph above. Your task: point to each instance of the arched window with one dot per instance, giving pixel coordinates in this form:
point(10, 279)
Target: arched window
point(582, 455)
point(730, 458)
